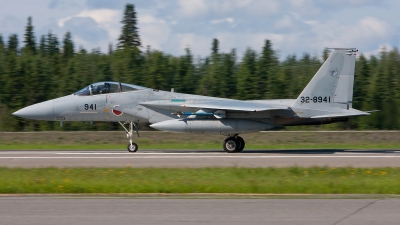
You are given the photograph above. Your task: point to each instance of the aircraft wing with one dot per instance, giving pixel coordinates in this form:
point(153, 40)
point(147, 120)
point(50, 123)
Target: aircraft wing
point(235, 105)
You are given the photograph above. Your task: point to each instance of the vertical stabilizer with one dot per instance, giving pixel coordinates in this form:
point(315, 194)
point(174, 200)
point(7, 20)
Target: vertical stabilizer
point(332, 86)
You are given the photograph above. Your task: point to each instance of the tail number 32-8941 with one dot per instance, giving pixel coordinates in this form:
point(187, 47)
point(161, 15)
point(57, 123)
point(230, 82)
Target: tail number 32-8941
point(315, 99)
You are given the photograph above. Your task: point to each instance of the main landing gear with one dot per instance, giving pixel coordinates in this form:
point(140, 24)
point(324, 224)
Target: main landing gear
point(234, 144)
point(132, 146)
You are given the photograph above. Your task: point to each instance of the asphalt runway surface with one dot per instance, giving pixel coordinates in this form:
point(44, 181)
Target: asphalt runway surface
point(189, 158)
point(99, 211)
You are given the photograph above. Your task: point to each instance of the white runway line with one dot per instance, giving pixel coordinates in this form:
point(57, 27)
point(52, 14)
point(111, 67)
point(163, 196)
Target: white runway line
point(130, 153)
point(210, 153)
point(199, 153)
point(201, 156)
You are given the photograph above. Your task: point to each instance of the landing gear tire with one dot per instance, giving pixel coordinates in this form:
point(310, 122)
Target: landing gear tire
point(133, 147)
point(231, 145)
point(242, 143)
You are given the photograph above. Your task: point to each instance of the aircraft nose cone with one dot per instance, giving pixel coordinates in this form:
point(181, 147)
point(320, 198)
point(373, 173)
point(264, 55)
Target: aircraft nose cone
point(40, 111)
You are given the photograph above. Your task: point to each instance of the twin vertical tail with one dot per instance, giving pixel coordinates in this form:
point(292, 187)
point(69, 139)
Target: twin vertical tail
point(330, 91)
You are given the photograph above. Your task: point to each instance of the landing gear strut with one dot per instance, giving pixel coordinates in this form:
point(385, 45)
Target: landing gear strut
point(132, 146)
point(233, 144)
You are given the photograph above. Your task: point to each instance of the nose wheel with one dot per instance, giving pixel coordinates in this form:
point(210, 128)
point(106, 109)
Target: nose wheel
point(132, 146)
point(233, 144)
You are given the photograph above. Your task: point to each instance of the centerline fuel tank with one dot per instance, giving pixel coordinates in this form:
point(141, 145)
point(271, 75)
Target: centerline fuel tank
point(211, 126)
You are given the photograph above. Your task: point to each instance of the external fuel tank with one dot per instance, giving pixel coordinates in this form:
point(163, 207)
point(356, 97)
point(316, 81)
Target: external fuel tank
point(211, 126)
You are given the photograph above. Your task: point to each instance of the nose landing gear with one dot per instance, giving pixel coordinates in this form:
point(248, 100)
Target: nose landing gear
point(233, 144)
point(132, 146)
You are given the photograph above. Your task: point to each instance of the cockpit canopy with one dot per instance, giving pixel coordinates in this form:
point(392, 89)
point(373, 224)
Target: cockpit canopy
point(107, 87)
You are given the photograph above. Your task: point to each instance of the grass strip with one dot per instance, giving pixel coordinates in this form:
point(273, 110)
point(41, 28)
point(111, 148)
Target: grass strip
point(194, 146)
point(166, 140)
point(290, 180)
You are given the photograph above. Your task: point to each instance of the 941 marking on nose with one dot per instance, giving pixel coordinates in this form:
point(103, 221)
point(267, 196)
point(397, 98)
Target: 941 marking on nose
point(90, 107)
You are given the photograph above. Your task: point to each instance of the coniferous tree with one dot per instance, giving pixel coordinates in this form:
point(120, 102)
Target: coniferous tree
point(52, 44)
point(157, 70)
point(68, 46)
point(288, 74)
point(110, 49)
point(127, 65)
point(390, 105)
point(14, 79)
point(105, 72)
point(306, 68)
point(377, 100)
point(2, 53)
point(53, 66)
point(227, 82)
point(215, 75)
point(215, 46)
point(247, 79)
point(130, 33)
point(2, 66)
point(362, 92)
point(267, 72)
point(212, 77)
point(187, 72)
point(3, 108)
point(43, 50)
point(12, 45)
point(30, 42)
point(361, 83)
point(1, 42)
point(183, 78)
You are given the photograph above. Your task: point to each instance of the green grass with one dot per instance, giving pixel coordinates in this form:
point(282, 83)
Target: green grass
point(165, 140)
point(193, 146)
point(291, 180)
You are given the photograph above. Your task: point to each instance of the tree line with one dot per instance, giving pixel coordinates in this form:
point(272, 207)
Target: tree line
point(34, 71)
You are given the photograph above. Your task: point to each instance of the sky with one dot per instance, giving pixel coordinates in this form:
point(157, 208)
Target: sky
point(293, 26)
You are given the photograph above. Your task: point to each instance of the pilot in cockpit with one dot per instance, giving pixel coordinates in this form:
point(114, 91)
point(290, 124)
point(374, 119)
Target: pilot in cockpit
point(106, 88)
point(96, 90)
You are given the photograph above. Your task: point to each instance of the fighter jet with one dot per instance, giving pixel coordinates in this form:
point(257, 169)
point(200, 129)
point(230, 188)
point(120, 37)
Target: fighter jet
point(326, 99)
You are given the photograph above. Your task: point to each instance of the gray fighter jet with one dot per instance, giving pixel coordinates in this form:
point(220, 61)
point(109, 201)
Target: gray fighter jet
point(326, 99)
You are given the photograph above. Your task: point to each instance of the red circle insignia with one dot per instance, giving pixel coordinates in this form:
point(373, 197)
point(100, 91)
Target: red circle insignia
point(116, 112)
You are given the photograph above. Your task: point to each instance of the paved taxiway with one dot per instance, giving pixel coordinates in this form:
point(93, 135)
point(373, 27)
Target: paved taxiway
point(65, 211)
point(171, 158)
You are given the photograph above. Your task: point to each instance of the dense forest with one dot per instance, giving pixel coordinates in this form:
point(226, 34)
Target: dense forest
point(33, 71)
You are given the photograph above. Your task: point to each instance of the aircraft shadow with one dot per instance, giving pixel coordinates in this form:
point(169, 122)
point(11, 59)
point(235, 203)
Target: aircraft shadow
point(291, 151)
point(320, 151)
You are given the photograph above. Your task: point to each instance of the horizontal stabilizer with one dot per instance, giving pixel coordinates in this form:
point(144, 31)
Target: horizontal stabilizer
point(342, 115)
point(370, 111)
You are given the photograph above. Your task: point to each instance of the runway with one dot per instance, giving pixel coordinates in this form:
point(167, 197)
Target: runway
point(67, 210)
point(175, 158)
